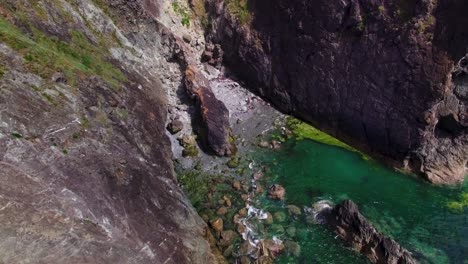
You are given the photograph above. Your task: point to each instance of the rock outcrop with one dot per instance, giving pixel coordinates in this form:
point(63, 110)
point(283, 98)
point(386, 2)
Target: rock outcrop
point(380, 75)
point(356, 231)
point(85, 163)
point(214, 114)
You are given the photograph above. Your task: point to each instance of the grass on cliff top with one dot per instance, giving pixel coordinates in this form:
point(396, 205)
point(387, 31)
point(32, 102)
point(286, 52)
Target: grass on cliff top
point(46, 55)
point(302, 130)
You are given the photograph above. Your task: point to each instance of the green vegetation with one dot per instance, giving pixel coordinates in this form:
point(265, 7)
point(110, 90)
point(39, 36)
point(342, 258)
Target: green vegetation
point(233, 162)
point(302, 130)
point(460, 205)
point(240, 8)
point(190, 151)
point(183, 12)
point(46, 55)
point(195, 185)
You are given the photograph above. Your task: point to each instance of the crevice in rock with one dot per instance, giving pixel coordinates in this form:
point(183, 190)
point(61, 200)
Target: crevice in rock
point(448, 126)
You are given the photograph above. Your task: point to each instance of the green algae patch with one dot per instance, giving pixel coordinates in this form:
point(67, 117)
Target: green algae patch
point(460, 205)
point(302, 130)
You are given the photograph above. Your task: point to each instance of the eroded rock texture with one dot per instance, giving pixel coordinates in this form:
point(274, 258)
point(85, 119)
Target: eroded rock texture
point(346, 220)
point(85, 164)
point(380, 75)
point(214, 114)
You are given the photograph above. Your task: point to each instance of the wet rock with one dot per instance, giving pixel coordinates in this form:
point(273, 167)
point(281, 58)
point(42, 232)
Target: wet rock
point(215, 116)
point(244, 260)
point(228, 251)
point(275, 144)
point(276, 192)
point(294, 210)
point(258, 175)
point(292, 248)
point(353, 228)
point(175, 126)
point(264, 260)
point(222, 211)
point(279, 217)
point(259, 189)
point(217, 224)
point(263, 144)
point(236, 185)
point(227, 238)
point(246, 249)
point(272, 247)
point(269, 218)
point(242, 212)
point(241, 228)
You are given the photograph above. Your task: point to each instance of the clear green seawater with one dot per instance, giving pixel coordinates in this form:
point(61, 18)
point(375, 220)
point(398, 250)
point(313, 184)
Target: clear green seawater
point(411, 211)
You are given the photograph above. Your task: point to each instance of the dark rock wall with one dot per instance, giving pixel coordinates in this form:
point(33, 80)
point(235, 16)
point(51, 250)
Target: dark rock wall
point(373, 73)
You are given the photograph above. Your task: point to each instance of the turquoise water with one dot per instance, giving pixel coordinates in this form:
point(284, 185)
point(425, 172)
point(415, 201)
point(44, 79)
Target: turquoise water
point(407, 209)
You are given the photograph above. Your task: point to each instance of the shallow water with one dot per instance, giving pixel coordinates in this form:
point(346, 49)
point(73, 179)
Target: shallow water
point(409, 210)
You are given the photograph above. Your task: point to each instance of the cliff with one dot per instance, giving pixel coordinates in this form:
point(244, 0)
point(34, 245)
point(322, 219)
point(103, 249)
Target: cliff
point(384, 76)
point(85, 162)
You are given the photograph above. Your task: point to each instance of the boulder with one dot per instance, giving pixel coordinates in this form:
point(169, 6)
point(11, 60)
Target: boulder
point(276, 192)
point(214, 114)
point(356, 231)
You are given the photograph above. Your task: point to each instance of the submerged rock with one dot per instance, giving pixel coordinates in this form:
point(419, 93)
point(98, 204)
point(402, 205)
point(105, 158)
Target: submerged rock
point(292, 248)
point(352, 227)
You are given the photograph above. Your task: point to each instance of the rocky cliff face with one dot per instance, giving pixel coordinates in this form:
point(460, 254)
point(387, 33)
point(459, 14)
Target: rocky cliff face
point(85, 162)
point(384, 76)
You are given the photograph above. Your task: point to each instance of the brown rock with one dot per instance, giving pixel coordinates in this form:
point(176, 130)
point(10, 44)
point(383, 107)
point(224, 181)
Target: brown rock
point(215, 115)
point(217, 224)
point(244, 260)
point(242, 212)
point(222, 211)
point(276, 192)
point(236, 185)
point(227, 238)
point(273, 247)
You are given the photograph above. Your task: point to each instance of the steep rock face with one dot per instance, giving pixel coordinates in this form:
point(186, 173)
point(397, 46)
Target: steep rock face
point(379, 75)
point(85, 163)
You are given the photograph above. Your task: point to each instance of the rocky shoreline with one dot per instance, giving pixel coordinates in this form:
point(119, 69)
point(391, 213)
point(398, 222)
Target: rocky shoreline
point(226, 191)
